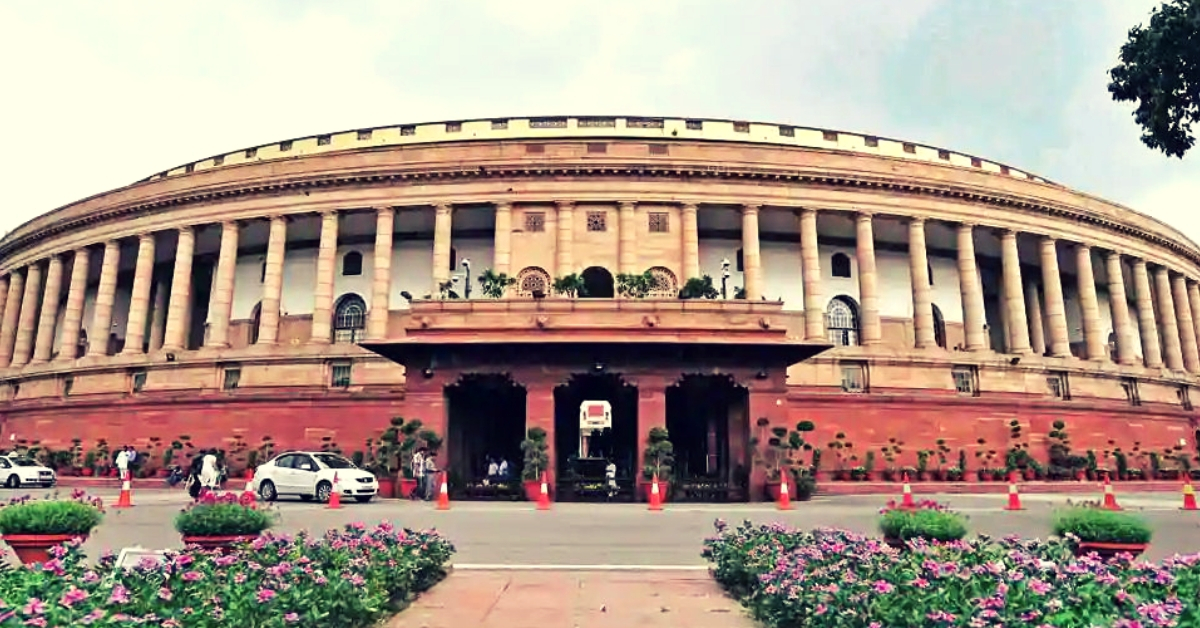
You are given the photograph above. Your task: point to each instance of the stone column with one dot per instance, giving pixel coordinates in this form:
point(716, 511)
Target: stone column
point(105, 296)
point(1119, 304)
point(322, 319)
point(1187, 329)
point(751, 253)
point(810, 256)
point(651, 410)
point(918, 260)
point(971, 289)
point(1037, 328)
point(158, 315)
point(1056, 313)
point(1089, 305)
point(221, 303)
point(442, 231)
point(73, 314)
point(175, 335)
point(139, 301)
point(27, 323)
point(1172, 348)
point(868, 281)
point(1193, 291)
point(12, 316)
point(3, 295)
point(564, 264)
point(381, 280)
point(502, 249)
point(268, 329)
point(627, 255)
point(1151, 350)
point(1014, 295)
point(691, 242)
point(44, 345)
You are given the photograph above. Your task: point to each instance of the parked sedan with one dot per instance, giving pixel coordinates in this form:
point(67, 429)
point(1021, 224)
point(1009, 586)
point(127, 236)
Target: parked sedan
point(16, 472)
point(310, 475)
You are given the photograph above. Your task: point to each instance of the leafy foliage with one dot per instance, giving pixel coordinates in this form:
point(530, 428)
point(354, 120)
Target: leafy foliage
point(931, 524)
point(227, 515)
point(1159, 70)
point(635, 286)
point(1101, 526)
point(659, 455)
point(699, 288)
point(352, 578)
point(571, 286)
point(24, 515)
point(495, 285)
point(534, 449)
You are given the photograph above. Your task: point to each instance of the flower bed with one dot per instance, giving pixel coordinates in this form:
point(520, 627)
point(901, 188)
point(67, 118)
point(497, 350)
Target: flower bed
point(927, 520)
point(225, 516)
point(833, 578)
point(351, 578)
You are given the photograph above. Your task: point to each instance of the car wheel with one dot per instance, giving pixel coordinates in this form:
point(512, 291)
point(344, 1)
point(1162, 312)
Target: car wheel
point(362, 499)
point(13, 482)
point(306, 498)
point(267, 492)
point(323, 491)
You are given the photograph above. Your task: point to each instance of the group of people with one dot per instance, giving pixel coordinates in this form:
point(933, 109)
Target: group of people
point(424, 471)
point(497, 470)
point(204, 473)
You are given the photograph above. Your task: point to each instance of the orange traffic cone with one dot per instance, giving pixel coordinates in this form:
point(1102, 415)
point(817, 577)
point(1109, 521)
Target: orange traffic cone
point(125, 500)
point(907, 499)
point(249, 490)
point(335, 494)
point(1014, 499)
point(543, 502)
point(1110, 498)
point(1189, 495)
point(785, 497)
point(655, 496)
point(444, 495)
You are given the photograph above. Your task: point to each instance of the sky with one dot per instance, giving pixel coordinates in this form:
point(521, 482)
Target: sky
point(99, 95)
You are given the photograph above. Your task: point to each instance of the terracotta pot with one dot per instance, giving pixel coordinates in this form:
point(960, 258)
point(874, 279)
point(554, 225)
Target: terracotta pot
point(533, 489)
point(387, 487)
point(408, 486)
point(218, 542)
point(773, 489)
point(35, 548)
point(664, 489)
point(88, 472)
point(1109, 551)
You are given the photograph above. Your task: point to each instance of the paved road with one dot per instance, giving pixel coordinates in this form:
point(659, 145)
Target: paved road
point(619, 534)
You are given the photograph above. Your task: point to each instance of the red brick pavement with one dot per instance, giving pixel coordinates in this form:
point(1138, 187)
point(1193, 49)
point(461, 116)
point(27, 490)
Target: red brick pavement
point(585, 599)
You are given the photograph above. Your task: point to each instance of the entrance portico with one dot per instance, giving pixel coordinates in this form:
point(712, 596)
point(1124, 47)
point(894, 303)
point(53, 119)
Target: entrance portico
point(563, 358)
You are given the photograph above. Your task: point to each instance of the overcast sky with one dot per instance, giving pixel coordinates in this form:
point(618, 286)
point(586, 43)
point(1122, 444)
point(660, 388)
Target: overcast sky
point(100, 94)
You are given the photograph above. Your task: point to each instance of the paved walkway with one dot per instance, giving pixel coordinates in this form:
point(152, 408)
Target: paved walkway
point(557, 599)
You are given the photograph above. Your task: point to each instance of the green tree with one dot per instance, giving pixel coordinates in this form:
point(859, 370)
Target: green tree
point(1159, 70)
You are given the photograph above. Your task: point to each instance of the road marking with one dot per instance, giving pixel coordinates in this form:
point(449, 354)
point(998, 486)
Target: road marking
point(534, 567)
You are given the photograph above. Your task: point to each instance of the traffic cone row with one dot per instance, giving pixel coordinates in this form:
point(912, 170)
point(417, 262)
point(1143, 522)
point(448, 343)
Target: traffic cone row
point(655, 496)
point(1014, 498)
point(125, 499)
point(335, 494)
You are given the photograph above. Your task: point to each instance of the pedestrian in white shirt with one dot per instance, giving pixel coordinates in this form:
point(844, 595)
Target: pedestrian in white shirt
point(123, 463)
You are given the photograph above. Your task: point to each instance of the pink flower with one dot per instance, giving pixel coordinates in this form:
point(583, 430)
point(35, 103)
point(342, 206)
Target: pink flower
point(265, 595)
point(164, 594)
point(120, 595)
point(291, 618)
point(73, 596)
point(193, 576)
point(1039, 587)
point(882, 586)
point(34, 607)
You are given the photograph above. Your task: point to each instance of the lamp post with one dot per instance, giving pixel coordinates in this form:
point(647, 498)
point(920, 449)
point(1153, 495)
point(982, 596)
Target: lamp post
point(466, 264)
point(724, 276)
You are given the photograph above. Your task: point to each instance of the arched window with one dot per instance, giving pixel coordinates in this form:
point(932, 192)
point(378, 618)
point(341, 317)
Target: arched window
point(841, 319)
point(666, 286)
point(349, 319)
point(352, 264)
point(840, 265)
point(533, 279)
point(939, 327)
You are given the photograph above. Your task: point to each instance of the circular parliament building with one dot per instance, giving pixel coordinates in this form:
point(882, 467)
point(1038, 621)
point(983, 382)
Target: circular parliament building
point(718, 278)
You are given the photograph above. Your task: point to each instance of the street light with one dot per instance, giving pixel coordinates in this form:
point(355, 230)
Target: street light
point(725, 274)
point(466, 264)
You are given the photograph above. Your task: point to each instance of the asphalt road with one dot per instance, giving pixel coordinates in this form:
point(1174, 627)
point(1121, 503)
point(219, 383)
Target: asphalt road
point(515, 534)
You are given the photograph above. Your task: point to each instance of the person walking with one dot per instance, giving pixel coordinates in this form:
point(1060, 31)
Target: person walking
point(418, 473)
point(432, 486)
point(193, 478)
point(210, 478)
point(123, 463)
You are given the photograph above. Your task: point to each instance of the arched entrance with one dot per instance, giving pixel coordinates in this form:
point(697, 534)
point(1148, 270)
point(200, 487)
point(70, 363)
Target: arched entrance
point(707, 417)
point(485, 421)
point(597, 283)
point(579, 474)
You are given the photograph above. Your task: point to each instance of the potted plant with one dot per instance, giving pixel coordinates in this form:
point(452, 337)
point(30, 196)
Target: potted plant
point(571, 286)
point(32, 527)
point(495, 285)
point(841, 449)
point(1105, 532)
point(89, 464)
point(699, 288)
point(779, 455)
point(635, 286)
point(890, 452)
point(218, 522)
point(927, 520)
point(535, 450)
point(659, 457)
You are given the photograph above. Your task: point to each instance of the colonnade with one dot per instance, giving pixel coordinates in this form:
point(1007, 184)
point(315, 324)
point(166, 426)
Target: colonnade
point(1167, 302)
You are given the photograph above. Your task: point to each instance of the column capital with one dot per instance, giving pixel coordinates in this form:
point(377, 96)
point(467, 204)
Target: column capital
point(333, 214)
point(967, 226)
point(627, 206)
point(750, 208)
point(1083, 246)
point(1008, 233)
point(442, 208)
point(690, 207)
point(284, 218)
point(916, 220)
point(1113, 254)
point(505, 204)
point(186, 229)
point(379, 209)
point(146, 237)
point(1047, 239)
point(863, 214)
point(564, 204)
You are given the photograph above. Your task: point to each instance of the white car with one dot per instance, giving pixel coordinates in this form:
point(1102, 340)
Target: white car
point(16, 472)
point(310, 474)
